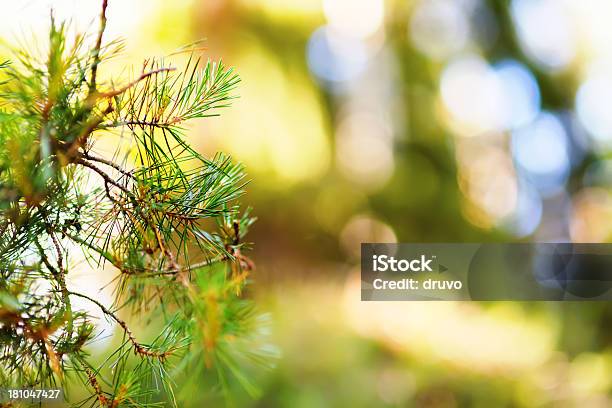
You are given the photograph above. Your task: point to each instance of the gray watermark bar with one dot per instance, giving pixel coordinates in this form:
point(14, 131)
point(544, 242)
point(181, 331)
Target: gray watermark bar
point(517, 271)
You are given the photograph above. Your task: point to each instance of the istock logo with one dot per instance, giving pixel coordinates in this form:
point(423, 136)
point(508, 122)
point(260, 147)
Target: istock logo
point(383, 263)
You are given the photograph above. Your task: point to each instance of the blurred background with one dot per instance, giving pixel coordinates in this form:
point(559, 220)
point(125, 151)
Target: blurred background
point(409, 121)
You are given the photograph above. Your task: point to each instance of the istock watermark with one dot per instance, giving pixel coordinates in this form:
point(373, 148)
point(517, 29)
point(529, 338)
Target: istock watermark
point(522, 271)
point(383, 263)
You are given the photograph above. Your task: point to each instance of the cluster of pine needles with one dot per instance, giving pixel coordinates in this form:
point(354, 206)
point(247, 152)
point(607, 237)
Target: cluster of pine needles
point(163, 215)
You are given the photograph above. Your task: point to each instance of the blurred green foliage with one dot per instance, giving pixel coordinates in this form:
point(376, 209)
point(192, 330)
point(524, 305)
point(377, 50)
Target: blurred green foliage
point(300, 236)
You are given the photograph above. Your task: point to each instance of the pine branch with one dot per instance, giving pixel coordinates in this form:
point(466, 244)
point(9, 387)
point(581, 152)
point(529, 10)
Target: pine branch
point(139, 348)
point(171, 225)
point(175, 99)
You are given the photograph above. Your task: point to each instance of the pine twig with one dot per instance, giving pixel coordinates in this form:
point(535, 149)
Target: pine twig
point(138, 348)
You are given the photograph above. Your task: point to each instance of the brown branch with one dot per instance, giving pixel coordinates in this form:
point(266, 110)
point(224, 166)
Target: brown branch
point(148, 272)
point(108, 163)
point(98, 46)
point(61, 272)
point(93, 381)
point(124, 88)
point(106, 177)
point(44, 258)
point(142, 123)
point(174, 271)
point(138, 348)
point(58, 250)
point(187, 218)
